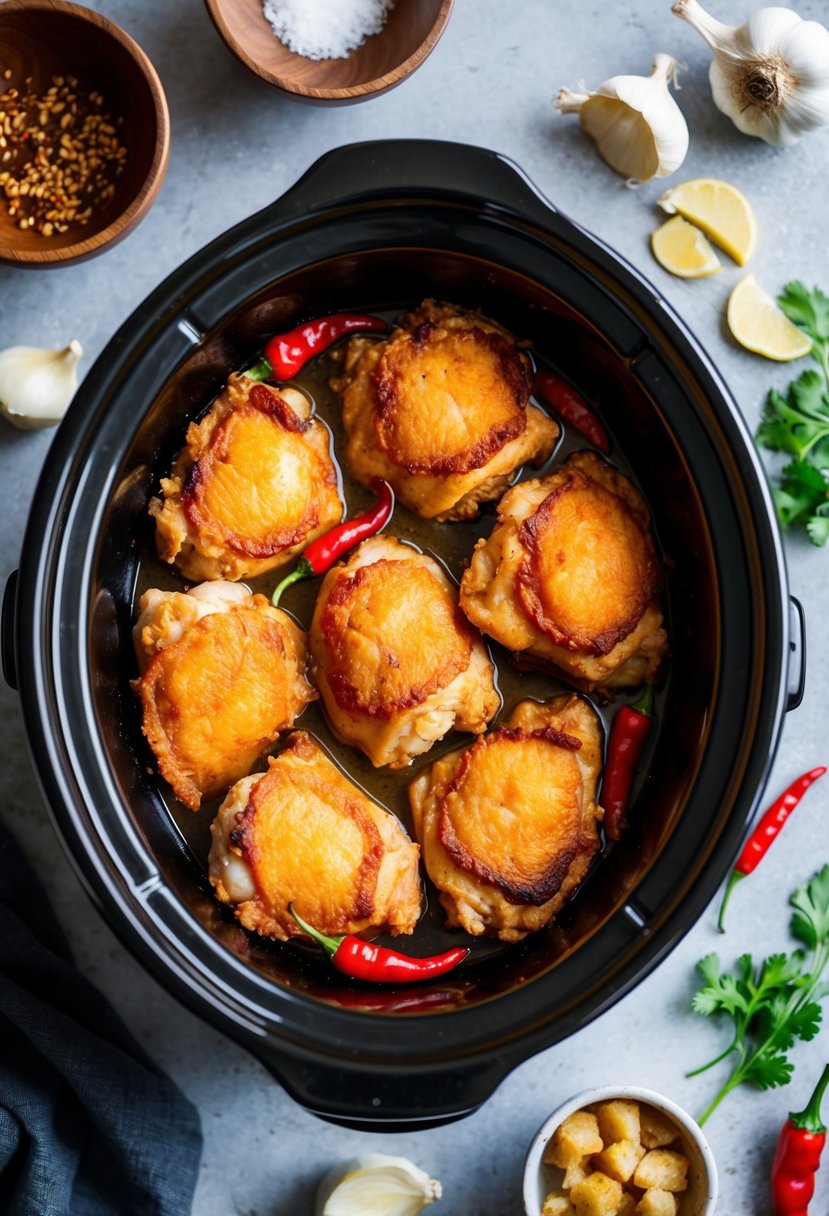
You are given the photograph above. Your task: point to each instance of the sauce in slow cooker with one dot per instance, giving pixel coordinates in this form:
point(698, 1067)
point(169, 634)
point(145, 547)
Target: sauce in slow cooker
point(451, 544)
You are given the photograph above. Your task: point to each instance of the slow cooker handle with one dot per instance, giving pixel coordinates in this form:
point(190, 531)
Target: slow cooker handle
point(797, 654)
point(8, 631)
point(413, 166)
point(393, 1100)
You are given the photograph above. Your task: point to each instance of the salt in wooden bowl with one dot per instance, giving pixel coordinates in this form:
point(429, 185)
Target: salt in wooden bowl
point(410, 33)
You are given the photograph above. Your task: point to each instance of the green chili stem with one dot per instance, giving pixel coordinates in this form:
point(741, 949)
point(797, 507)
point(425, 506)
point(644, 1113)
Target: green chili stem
point(329, 944)
point(644, 702)
point(302, 570)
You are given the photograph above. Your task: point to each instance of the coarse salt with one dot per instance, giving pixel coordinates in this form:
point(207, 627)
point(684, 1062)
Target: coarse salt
point(326, 29)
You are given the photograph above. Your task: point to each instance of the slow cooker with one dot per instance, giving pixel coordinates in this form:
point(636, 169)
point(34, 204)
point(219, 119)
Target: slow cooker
point(371, 226)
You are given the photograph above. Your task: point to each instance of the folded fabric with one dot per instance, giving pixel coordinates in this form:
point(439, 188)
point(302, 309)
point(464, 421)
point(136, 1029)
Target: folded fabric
point(89, 1126)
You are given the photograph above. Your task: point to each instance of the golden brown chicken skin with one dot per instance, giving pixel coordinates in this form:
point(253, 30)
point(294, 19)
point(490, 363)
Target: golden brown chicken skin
point(569, 579)
point(441, 410)
point(254, 484)
point(396, 662)
point(508, 827)
point(302, 833)
point(223, 674)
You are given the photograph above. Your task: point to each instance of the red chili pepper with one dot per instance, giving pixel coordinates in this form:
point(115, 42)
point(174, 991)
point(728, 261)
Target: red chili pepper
point(571, 405)
point(288, 353)
point(363, 961)
point(797, 1158)
point(628, 736)
point(324, 551)
point(767, 830)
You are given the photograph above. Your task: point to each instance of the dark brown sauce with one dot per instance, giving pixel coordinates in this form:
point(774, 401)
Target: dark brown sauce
point(452, 545)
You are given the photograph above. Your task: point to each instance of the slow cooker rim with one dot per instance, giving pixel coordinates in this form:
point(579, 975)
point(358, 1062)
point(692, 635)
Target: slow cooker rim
point(31, 576)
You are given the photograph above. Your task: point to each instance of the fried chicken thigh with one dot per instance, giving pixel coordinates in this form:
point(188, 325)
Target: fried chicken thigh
point(440, 410)
point(302, 833)
point(223, 674)
point(253, 486)
point(396, 662)
point(508, 826)
point(569, 578)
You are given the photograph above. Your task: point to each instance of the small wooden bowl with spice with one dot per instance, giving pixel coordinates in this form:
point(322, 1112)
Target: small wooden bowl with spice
point(84, 133)
point(408, 32)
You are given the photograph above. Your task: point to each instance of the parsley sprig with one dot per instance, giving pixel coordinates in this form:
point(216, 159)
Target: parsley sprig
point(797, 421)
point(773, 1003)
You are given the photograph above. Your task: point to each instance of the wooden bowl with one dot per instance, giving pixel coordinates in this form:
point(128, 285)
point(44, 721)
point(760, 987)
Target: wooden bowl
point(412, 30)
point(41, 39)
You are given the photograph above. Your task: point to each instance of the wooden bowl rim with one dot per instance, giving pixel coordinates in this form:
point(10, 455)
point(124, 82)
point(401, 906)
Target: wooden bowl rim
point(346, 92)
point(127, 219)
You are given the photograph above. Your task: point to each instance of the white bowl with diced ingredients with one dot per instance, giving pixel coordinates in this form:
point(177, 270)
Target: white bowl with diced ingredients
point(620, 1151)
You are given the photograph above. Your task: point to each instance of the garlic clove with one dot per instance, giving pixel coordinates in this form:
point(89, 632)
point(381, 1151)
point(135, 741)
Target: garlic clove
point(770, 76)
point(375, 1184)
point(637, 127)
point(37, 385)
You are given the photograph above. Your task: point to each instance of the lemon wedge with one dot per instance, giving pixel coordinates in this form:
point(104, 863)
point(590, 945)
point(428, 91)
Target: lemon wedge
point(720, 210)
point(758, 324)
point(683, 250)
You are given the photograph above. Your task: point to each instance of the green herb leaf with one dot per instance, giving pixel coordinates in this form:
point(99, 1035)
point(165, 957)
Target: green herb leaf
point(772, 1004)
point(803, 498)
point(768, 1071)
point(818, 527)
point(810, 922)
point(807, 309)
point(804, 1023)
point(799, 421)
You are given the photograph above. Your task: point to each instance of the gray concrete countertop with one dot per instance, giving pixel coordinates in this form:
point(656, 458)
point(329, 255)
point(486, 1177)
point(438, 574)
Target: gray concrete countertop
point(236, 146)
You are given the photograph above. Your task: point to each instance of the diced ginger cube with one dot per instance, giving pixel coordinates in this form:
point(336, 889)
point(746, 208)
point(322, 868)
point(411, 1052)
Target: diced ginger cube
point(628, 1205)
point(662, 1168)
point(598, 1195)
point(573, 1139)
point(577, 1172)
point(618, 1120)
point(656, 1202)
point(558, 1204)
point(619, 1160)
point(657, 1130)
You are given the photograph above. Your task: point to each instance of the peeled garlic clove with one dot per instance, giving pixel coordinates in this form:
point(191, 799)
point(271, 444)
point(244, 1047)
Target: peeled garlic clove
point(634, 121)
point(375, 1184)
point(770, 76)
point(37, 385)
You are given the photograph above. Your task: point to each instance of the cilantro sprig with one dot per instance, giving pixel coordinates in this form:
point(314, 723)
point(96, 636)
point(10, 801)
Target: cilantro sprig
point(772, 1003)
point(797, 421)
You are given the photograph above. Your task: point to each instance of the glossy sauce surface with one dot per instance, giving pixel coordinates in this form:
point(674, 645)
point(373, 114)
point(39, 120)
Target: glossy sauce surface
point(451, 544)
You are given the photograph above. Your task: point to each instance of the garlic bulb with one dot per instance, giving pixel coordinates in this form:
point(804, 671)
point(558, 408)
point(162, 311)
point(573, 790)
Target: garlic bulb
point(770, 76)
point(635, 122)
point(37, 385)
point(376, 1185)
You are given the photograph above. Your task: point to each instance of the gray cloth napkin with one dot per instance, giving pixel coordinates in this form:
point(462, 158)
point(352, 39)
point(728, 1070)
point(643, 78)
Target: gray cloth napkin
point(89, 1126)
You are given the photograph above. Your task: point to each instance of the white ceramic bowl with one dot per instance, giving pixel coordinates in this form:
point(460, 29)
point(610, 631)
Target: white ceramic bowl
point(700, 1199)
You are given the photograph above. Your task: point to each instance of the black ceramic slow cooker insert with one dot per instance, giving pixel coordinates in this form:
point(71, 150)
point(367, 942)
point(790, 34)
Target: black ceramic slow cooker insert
point(369, 227)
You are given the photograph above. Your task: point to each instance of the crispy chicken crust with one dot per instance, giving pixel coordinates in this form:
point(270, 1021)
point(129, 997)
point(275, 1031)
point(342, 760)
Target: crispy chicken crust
point(508, 826)
point(396, 662)
point(440, 410)
point(569, 579)
point(302, 833)
point(218, 689)
point(254, 484)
